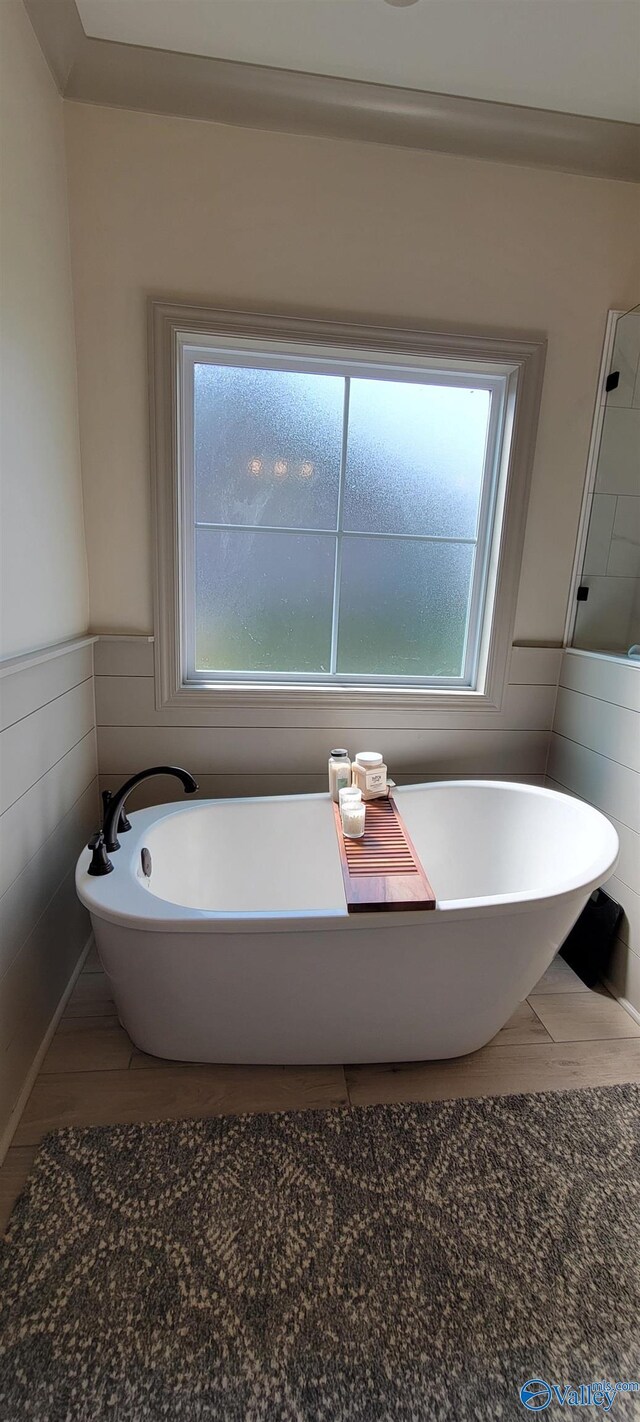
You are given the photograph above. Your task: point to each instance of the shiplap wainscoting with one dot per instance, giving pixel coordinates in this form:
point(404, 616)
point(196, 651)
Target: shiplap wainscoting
point(48, 809)
point(241, 750)
point(595, 753)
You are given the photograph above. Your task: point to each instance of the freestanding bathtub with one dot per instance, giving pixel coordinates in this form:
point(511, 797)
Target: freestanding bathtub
point(238, 947)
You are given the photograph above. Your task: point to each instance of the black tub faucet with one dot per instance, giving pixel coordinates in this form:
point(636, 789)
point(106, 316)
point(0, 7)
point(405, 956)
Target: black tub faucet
point(123, 823)
point(116, 804)
point(107, 841)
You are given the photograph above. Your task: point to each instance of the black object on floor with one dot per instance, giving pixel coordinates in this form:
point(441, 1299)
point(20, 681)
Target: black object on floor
point(589, 946)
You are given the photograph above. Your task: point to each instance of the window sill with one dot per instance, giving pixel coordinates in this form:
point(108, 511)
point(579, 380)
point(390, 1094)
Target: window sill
point(299, 697)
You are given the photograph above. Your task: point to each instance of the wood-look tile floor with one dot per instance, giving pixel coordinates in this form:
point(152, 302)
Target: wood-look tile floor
point(564, 1035)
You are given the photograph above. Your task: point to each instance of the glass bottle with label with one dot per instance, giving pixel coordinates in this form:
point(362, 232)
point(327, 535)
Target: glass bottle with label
point(339, 772)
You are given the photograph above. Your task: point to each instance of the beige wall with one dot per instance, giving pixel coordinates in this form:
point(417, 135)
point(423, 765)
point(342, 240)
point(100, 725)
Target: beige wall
point(243, 218)
point(44, 580)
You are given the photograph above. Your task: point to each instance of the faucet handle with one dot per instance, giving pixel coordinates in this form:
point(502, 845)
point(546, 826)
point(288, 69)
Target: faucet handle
point(123, 823)
point(100, 862)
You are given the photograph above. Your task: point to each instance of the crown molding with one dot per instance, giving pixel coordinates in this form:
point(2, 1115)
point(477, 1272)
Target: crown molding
point(60, 33)
point(287, 101)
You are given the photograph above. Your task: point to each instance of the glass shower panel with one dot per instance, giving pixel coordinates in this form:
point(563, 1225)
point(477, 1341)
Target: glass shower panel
point(608, 613)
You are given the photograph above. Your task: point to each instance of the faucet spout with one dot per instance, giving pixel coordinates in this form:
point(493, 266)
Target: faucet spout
point(115, 806)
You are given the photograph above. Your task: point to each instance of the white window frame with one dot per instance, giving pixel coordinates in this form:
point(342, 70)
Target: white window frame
point(511, 368)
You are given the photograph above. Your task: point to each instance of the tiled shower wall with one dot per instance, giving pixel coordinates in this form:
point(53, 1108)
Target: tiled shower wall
point(610, 618)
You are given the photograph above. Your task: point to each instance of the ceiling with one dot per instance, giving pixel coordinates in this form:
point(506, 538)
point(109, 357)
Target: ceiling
point(572, 56)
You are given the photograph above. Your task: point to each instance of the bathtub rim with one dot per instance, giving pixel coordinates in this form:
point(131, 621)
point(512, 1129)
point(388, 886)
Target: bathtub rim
point(137, 907)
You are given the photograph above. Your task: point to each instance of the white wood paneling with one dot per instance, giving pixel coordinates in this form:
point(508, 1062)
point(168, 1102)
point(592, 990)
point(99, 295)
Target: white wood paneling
point(608, 678)
point(595, 752)
point(600, 725)
point(628, 867)
point(42, 682)
point(38, 975)
point(18, 1068)
point(26, 900)
point(124, 750)
point(611, 787)
point(31, 819)
point(130, 701)
point(244, 749)
point(29, 748)
point(623, 973)
point(163, 789)
point(11, 666)
point(629, 930)
point(535, 666)
point(48, 807)
point(124, 656)
point(134, 656)
point(32, 988)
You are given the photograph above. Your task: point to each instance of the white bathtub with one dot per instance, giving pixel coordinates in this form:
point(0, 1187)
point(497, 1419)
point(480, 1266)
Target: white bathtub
point(239, 947)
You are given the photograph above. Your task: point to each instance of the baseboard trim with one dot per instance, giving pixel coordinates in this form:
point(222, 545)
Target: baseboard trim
point(624, 1001)
point(14, 1119)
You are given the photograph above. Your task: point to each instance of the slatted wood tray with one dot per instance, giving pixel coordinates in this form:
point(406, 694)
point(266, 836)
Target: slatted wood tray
point(382, 871)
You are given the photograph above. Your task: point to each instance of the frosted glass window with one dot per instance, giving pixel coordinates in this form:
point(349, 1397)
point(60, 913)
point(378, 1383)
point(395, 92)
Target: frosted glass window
point(415, 458)
point(336, 516)
point(263, 600)
point(403, 606)
point(267, 447)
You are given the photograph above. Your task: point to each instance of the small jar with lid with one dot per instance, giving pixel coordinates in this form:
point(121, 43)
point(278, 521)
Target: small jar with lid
point(369, 773)
point(339, 772)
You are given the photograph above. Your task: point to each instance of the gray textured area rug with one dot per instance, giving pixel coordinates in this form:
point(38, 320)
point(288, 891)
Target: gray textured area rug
point(414, 1262)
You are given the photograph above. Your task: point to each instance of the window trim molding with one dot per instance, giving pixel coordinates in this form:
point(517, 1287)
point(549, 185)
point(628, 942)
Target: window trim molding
point(168, 324)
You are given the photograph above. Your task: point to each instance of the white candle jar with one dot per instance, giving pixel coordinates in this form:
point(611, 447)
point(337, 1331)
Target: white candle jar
point(370, 774)
point(348, 792)
point(353, 818)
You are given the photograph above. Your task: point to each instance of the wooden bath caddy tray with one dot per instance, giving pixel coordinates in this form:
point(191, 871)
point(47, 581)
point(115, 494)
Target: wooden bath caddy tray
point(382, 871)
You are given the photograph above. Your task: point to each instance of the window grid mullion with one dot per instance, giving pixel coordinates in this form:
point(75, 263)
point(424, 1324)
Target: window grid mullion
point(331, 532)
point(337, 574)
